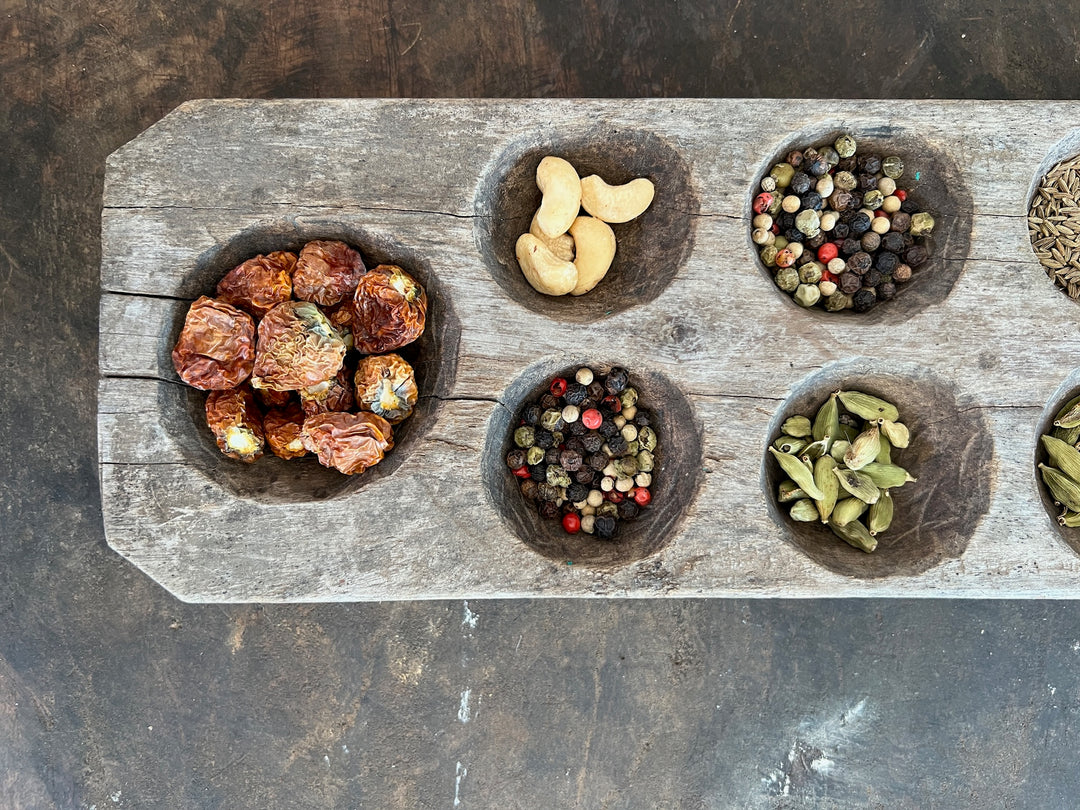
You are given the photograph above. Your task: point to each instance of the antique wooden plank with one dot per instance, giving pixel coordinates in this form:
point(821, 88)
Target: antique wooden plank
point(987, 346)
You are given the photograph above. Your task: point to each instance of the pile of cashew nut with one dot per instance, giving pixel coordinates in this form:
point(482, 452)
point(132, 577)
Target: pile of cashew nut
point(567, 253)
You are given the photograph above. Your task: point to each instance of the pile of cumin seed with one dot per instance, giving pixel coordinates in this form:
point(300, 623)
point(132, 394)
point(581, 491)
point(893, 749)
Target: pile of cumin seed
point(1054, 225)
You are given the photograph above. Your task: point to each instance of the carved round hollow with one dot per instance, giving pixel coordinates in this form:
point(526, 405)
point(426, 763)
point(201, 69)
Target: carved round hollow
point(649, 249)
point(951, 453)
point(1068, 147)
point(1069, 389)
point(676, 478)
point(940, 190)
point(271, 479)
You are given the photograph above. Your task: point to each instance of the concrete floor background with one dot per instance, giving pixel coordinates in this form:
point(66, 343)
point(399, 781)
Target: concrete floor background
point(113, 694)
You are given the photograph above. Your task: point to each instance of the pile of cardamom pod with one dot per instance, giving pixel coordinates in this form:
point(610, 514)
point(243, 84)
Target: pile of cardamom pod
point(1062, 475)
point(840, 468)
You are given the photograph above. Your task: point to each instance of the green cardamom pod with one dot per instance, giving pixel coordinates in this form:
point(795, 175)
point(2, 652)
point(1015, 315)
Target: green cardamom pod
point(1069, 415)
point(1070, 519)
point(827, 421)
point(789, 491)
point(867, 406)
point(798, 472)
point(855, 534)
point(881, 514)
point(1067, 435)
point(804, 511)
point(839, 448)
point(827, 483)
point(813, 451)
point(864, 449)
point(848, 433)
point(858, 484)
point(1064, 489)
point(887, 476)
point(790, 444)
point(1063, 456)
point(847, 510)
point(896, 432)
point(884, 455)
point(797, 426)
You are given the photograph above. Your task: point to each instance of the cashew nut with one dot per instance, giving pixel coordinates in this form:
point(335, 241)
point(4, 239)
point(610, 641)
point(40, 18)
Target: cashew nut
point(562, 245)
point(595, 244)
point(546, 272)
point(616, 203)
point(561, 186)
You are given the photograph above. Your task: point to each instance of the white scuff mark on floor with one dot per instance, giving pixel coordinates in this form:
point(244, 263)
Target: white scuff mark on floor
point(817, 750)
point(326, 759)
point(115, 797)
point(468, 618)
point(464, 713)
point(460, 772)
point(1076, 646)
point(344, 748)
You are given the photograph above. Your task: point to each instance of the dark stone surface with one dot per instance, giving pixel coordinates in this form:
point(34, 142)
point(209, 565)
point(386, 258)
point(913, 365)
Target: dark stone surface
point(113, 694)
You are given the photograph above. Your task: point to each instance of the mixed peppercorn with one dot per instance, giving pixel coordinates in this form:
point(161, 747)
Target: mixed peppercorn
point(585, 451)
point(318, 374)
point(836, 230)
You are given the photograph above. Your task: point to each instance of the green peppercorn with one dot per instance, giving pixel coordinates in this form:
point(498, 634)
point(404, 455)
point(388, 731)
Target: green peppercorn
point(892, 166)
point(768, 255)
point(551, 419)
point(921, 225)
point(830, 156)
point(806, 295)
point(534, 455)
point(633, 447)
point(810, 273)
point(808, 222)
point(845, 146)
point(557, 476)
point(628, 397)
point(645, 461)
point(782, 174)
point(525, 436)
point(607, 509)
point(838, 301)
point(626, 467)
point(873, 199)
point(646, 438)
point(844, 181)
point(787, 279)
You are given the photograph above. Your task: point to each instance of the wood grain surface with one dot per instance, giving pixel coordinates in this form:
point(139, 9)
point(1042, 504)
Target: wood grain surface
point(986, 344)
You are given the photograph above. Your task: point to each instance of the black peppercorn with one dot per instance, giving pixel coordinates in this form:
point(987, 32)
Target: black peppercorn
point(795, 158)
point(604, 527)
point(548, 401)
point(588, 402)
point(850, 247)
point(576, 428)
point(551, 456)
point(529, 489)
point(886, 262)
point(597, 461)
point(909, 240)
point(800, 183)
point(811, 201)
point(607, 429)
point(544, 439)
point(871, 278)
point(574, 443)
point(840, 230)
point(794, 235)
point(596, 390)
point(900, 222)
point(886, 290)
point(576, 493)
point(642, 418)
point(628, 510)
point(575, 394)
point(807, 255)
point(916, 255)
point(859, 262)
point(617, 444)
point(849, 282)
point(538, 472)
point(860, 224)
point(547, 492)
point(532, 414)
point(814, 242)
point(785, 221)
point(819, 167)
point(586, 476)
point(570, 460)
point(592, 442)
point(909, 206)
point(863, 300)
point(870, 164)
point(548, 510)
point(870, 241)
point(515, 459)
point(839, 201)
point(847, 164)
point(616, 380)
point(892, 242)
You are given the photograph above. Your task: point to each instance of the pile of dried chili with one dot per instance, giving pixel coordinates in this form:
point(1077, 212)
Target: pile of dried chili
point(298, 354)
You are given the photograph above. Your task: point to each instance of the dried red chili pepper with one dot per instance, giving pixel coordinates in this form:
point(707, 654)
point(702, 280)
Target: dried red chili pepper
point(390, 310)
point(335, 394)
point(327, 272)
point(348, 442)
point(283, 427)
point(216, 348)
point(297, 348)
point(236, 422)
point(260, 284)
point(386, 385)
